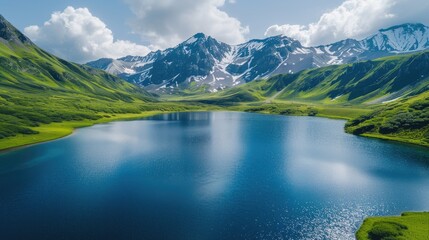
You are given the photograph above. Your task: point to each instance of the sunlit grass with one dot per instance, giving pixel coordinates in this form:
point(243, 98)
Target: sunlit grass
point(407, 226)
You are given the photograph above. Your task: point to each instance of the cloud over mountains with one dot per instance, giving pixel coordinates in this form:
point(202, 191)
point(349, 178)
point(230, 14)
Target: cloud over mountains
point(354, 19)
point(166, 23)
point(77, 35)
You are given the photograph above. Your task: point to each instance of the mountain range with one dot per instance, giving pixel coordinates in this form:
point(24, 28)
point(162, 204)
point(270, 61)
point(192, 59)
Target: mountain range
point(203, 64)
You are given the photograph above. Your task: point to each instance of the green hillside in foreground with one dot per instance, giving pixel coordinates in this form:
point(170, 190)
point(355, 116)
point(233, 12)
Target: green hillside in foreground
point(39, 88)
point(407, 226)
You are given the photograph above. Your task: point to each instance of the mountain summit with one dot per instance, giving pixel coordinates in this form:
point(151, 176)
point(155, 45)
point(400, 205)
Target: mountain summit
point(401, 38)
point(9, 33)
point(201, 63)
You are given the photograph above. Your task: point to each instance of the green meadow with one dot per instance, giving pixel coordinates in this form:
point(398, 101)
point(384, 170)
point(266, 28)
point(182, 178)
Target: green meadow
point(409, 225)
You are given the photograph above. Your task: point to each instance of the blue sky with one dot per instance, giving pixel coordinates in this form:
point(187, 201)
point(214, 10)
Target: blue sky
point(84, 30)
point(258, 15)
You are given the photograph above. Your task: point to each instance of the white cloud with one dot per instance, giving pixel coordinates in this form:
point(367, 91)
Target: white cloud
point(352, 19)
point(166, 23)
point(77, 35)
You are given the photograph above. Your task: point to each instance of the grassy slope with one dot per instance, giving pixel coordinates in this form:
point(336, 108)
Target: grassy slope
point(43, 97)
point(37, 89)
point(407, 226)
point(406, 120)
point(357, 83)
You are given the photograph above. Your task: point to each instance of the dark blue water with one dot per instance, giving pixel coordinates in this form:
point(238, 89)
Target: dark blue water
point(219, 175)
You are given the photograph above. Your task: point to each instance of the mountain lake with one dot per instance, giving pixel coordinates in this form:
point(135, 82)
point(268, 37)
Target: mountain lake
point(208, 175)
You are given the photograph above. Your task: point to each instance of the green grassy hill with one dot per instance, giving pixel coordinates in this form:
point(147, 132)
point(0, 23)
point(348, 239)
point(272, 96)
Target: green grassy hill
point(371, 82)
point(39, 88)
point(403, 120)
point(407, 226)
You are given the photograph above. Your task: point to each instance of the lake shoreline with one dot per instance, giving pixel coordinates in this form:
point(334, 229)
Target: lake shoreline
point(47, 132)
point(56, 131)
point(410, 225)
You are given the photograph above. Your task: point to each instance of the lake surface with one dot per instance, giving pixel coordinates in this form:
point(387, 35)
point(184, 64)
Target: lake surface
point(220, 175)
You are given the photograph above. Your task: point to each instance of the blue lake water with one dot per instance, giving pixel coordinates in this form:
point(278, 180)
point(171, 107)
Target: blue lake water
point(208, 175)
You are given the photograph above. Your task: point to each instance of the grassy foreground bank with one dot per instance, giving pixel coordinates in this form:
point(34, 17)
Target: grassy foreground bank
point(407, 226)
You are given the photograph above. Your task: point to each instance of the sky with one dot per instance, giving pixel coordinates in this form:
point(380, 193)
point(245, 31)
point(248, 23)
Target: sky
point(85, 30)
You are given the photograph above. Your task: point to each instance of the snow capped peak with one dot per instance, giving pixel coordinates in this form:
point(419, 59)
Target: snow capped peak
point(400, 38)
point(131, 58)
point(277, 38)
point(284, 37)
point(196, 38)
point(200, 39)
point(282, 41)
point(150, 56)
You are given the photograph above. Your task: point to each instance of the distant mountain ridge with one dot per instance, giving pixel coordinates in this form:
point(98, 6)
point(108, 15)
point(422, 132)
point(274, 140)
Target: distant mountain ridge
point(202, 63)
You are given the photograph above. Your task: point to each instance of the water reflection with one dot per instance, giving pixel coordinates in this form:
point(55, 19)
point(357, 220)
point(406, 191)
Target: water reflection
point(102, 152)
point(225, 150)
point(183, 117)
point(205, 175)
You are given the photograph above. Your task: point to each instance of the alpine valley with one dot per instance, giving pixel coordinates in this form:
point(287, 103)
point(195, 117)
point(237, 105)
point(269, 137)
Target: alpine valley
point(43, 97)
point(380, 84)
point(203, 64)
point(99, 183)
